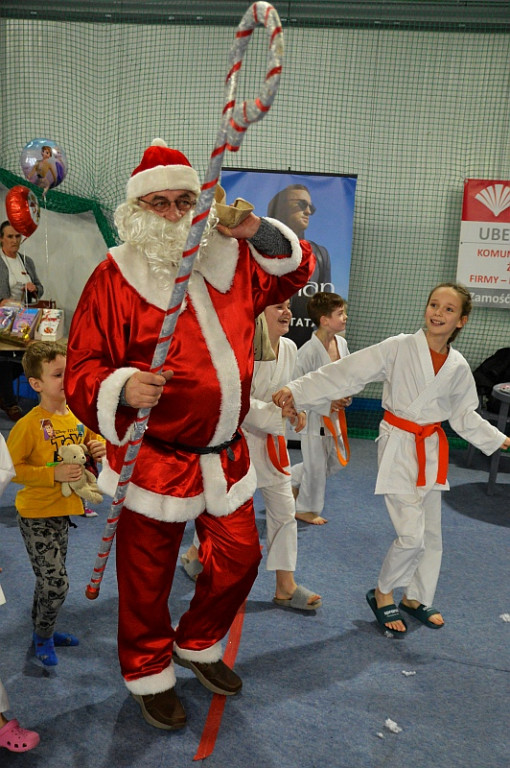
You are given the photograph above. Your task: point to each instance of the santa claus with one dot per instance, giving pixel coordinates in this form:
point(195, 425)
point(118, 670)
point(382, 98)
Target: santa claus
point(193, 463)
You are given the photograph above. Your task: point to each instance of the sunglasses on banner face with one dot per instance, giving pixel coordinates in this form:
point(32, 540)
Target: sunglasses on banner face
point(303, 205)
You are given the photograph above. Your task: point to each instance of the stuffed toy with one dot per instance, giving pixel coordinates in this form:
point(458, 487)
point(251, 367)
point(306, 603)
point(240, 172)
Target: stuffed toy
point(86, 486)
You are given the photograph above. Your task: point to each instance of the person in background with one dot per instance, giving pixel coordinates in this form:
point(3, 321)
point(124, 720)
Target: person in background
point(18, 283)
point(293, 206)
point(426, 381)
point(12, 736)
point(319, 446)
point(193, 462)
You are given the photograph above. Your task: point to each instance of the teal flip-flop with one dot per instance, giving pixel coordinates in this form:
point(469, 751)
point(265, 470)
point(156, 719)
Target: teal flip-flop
point(423, 614)
point(386, 614)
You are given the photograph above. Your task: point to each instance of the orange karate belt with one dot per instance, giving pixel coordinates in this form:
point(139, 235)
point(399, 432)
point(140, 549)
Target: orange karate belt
point(422, 431)
point(342, 423)
point(279, 456)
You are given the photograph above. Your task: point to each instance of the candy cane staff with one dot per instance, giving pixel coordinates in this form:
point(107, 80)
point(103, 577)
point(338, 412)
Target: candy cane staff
point(193, 462)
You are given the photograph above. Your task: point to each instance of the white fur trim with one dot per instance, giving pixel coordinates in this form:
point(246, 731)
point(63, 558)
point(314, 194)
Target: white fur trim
point(217, 501)
point(163, 681)
point(207, 656)
point(136, 271)
point(218, 261)
point(173, 509)
point(275, 266)
point(163, 177)
point(223, 359)
point(107, 404)
point(168, 509)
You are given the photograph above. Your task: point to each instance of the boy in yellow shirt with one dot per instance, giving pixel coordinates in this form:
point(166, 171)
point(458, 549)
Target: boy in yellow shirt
point(43, 512)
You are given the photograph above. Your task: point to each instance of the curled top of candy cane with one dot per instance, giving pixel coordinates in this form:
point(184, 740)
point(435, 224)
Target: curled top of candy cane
point(240, 116)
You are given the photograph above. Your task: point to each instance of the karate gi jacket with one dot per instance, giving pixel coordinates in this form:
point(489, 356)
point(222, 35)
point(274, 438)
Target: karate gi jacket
point(264, 417)
point(311, 356)
point(411, 391)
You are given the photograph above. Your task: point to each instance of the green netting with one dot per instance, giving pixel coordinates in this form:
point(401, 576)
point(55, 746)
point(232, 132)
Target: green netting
point(411, 97)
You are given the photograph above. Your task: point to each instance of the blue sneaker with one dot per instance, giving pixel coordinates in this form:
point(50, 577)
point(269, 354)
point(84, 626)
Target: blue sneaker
point(64, 638)
point(45, 650)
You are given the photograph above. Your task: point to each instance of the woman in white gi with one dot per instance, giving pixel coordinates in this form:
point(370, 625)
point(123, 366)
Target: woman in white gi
point(426, 381)
point(318, 446)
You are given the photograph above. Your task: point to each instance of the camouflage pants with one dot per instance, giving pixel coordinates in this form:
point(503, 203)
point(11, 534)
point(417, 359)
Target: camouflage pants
point(46, 543)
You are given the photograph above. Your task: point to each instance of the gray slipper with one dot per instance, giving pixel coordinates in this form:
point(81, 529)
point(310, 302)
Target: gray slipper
point(192, 567)
point(299, 600)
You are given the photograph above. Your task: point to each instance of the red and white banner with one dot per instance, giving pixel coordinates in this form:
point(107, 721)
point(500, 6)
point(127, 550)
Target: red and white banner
point(484, 251)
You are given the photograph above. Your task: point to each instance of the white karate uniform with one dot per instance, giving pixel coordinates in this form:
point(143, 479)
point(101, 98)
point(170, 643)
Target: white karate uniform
point(6, 473)
point(320, 459)
point(262, 419)
point(4, 701)
point(411, 391)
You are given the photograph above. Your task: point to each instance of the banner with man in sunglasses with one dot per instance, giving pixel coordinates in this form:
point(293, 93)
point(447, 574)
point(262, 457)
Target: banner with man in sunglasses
point(319, 208)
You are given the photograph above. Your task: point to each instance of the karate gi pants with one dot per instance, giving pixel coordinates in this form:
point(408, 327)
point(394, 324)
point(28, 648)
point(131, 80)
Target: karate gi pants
point(414, 559)
point(146, 557)
point(4, 700)
point(281, 526)
point(319, 462)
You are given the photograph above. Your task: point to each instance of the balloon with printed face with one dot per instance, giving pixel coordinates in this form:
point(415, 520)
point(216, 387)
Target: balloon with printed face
point(44, 163)
point(22, 208)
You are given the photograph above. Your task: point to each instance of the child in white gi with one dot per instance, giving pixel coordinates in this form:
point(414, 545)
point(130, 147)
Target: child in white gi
point(12, 736)
point(265, 429)
point(320, 449)
point(426, 381)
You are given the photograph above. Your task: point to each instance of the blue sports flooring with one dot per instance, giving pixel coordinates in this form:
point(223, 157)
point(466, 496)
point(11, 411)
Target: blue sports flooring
point(319, 686)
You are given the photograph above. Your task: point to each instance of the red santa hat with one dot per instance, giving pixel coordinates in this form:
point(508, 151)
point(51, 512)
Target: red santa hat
point(162, 168)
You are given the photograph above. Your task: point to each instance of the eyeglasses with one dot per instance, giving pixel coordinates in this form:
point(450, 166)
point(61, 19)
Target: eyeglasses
point(303, 205)
point(183, 204)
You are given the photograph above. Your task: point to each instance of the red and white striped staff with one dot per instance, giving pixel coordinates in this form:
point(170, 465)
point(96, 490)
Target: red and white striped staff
point(234, 124)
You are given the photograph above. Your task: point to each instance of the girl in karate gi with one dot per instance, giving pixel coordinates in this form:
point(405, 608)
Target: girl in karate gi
point(426, 381)
point(264, 429)
point(320, 449)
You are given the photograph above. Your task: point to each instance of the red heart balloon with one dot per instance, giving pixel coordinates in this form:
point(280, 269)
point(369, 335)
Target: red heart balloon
point(23, 210)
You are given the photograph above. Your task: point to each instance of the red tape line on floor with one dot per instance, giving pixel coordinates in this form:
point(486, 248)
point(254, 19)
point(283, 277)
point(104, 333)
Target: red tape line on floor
point(215, 714)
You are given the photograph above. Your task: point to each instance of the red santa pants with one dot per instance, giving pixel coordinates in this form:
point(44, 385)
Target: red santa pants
point(146, 557)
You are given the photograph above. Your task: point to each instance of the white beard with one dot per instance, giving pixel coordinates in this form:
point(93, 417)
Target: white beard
point(159, 241)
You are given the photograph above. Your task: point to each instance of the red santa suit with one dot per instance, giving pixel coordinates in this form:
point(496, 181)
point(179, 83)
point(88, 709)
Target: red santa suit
point(113, 335)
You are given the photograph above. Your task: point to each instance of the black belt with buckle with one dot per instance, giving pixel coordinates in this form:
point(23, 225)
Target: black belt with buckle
point(202, 451)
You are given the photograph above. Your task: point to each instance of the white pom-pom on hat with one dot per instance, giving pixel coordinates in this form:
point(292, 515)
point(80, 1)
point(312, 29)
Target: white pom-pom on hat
point(158, 143)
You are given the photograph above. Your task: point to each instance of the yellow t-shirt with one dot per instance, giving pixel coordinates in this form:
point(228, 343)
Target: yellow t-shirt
point(33, 444)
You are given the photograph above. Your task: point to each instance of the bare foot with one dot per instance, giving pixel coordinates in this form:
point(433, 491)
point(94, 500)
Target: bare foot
point(192, 553)
point(436, 618)
point(384, 600)
point(311, 517)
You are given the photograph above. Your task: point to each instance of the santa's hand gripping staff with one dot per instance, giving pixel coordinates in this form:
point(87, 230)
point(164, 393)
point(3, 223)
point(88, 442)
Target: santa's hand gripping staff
point(193, 463)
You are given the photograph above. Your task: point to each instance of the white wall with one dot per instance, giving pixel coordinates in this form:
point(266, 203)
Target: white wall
point(65, 249)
